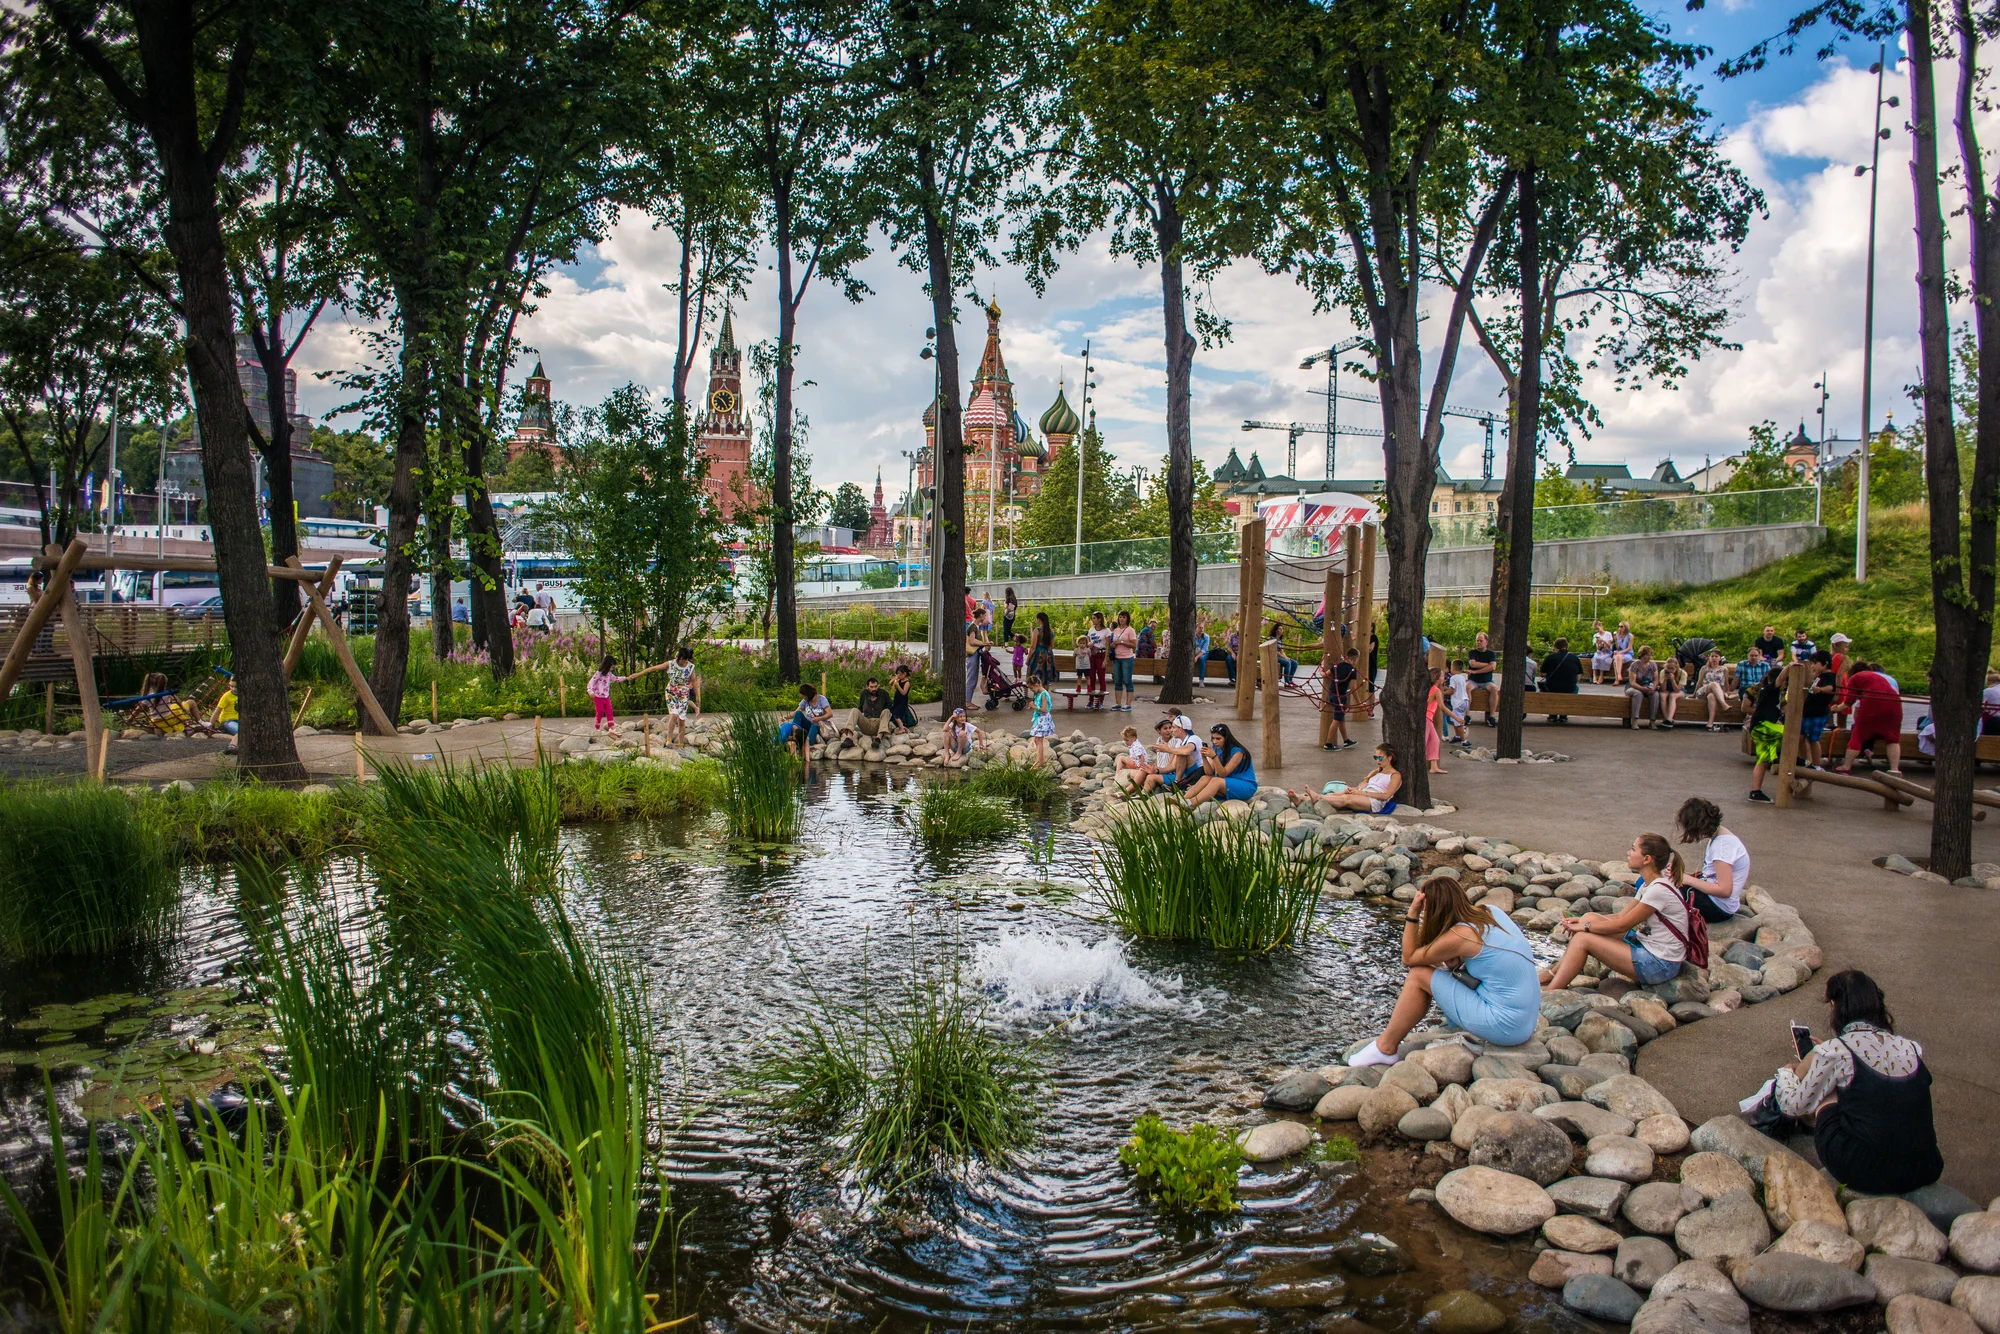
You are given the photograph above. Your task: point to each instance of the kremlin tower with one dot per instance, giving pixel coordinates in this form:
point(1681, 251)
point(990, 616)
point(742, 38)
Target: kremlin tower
point(723, 426)
point(536, 428)
point(878, 518)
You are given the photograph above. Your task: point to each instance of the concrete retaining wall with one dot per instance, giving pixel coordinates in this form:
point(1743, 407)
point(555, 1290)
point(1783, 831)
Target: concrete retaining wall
point(1703, 557)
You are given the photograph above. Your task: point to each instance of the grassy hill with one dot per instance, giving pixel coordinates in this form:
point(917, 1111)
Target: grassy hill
point(1889, 617)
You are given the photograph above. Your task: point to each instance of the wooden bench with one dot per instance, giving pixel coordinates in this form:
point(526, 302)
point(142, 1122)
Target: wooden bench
point(1546, 703)
point(1069, 697)
point(1834, 743)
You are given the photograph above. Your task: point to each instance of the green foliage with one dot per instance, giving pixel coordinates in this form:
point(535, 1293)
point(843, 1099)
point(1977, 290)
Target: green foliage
point(880, 578)
point(1333, 1149)
point(1110, 501)
point(80, 873)
point(1895, 477)
point(1189, 1171)
point(614, 792)
point(760, 781)
point(529, 471)
point(915, 1086)
point(363, 467)
point(512, 812)
point(1552, 488)
point(1021, 782)
point(850, 508)
point(1163, 874)
point(243, 820)
point(950, 812)
point(1761, 466)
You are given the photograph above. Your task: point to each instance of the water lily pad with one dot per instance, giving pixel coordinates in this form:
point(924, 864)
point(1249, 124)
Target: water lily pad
point(56, 1039)
point(123, 1028)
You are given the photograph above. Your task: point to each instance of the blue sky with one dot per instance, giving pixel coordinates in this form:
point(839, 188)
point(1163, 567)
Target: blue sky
point(1797, 128)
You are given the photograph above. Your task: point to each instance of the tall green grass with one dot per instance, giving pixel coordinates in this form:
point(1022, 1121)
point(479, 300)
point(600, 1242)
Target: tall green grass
point(243, 820)
point(909, 1088)
point(80, 873)
point(514, 812)
point(760, 781)
point(1020, 782)
point(613, 792)
point(1161, 873)
point(951, 812)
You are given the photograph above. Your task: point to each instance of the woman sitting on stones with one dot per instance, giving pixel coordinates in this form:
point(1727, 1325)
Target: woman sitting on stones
point(1230, 776)
point(1645, 943)
point(1867, 1094)
point(1725, 862)
point(1377, 793)
point(1473, 962)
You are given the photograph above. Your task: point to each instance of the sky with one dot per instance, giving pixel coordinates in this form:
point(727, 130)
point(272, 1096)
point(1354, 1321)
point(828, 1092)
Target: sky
point(1797, 129)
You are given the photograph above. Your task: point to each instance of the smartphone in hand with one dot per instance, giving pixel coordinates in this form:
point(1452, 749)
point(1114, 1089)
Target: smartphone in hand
point(1802, 1040)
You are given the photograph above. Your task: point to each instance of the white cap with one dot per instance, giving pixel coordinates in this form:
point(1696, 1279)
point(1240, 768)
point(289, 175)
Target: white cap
point(1839, 638)
point(1185, 723)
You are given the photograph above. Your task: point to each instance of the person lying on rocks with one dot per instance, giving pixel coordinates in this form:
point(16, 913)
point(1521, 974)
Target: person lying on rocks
point(1473, 962)
point(1647, 942)
point(1376, 792)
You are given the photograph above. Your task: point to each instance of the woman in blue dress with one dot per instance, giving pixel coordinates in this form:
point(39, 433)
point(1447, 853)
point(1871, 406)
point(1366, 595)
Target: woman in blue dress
point(1474, 963)
point(1228, 773)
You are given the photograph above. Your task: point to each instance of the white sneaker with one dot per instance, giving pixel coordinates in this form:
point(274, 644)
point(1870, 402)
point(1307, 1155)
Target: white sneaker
point(1372, 1055)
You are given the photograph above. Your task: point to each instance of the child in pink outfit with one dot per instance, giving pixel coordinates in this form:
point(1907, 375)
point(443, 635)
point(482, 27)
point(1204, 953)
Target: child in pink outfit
point(599, 689)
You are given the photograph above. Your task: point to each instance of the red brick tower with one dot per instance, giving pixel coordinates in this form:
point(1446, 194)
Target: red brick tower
point(724, 427)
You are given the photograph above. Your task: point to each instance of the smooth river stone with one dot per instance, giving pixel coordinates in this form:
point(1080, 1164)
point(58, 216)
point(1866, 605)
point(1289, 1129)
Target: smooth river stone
point(1643, 1261)
point(1553, 1268)
point(1694, 1311)
point(1979, 1297)
point(1299, 1091)
point(1512, 1095)
point(1413, 1079)
point(1383, 1108)
point(1911, 1314)
point(1603, 1297)
point(1895, 1227)
point(1823, 1241)
point(1619, 1157)
point(1795, 1190)
point(1425, 1123)
point(1494, 1202)
point(1573, 1232)
point(1975, 1241)
point(1571, 1080)
point(1659, 1206)
point(1732, 1227)
point(1893, 1277)
point(1343, 1104)
point(1590, 1197)
point(1662, 1134)
point(1448, 1063)
point(1732, 1135)
point(1462, 1312)
point(1715, 1175)
point(1583, 1121)
point(1523, 1144)
point(1278, 1139)
point(1798, 1283)
point(1630, 1097)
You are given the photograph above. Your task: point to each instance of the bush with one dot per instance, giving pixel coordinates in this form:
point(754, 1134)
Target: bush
point(242, 820)
point(949, 812)
point(80, 873)
point(613, 792)
point(1188, 1171)
point(1163, 874)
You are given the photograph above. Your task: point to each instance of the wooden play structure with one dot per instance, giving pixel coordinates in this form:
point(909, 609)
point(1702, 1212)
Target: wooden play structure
point(57, 601)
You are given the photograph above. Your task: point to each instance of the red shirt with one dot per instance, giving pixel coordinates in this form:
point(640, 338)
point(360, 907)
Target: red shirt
point(1877, 706)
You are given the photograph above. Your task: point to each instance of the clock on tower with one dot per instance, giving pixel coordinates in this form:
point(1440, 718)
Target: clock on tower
point(722, 402)
point(724, 437)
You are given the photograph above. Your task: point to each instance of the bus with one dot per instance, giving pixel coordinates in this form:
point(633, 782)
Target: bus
point(843, 572)
point(90, 585)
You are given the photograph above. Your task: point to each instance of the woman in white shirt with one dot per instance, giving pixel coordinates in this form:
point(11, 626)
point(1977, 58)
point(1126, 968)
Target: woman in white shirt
point(1647, 942)
point(1725, 862)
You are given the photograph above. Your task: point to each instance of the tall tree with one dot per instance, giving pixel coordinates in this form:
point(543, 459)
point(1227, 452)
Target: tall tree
point(1109, 500)
point(1150, 144)
point(956, 91)
point(850, 508)
point(178, 77)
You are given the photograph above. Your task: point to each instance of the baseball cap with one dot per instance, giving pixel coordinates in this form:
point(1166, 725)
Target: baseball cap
point(1185, 723)
point(1839, 638)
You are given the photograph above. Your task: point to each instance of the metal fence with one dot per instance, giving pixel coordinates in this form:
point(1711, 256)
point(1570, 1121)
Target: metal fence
point(1138, 553)
point(1655, 514)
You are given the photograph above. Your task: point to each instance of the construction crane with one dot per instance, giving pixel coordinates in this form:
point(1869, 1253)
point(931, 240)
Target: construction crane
point(1332, 391)
point(1486, 416)
point(1293, 430)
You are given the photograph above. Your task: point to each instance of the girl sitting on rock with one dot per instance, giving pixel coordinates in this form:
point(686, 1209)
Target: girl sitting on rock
point(1475, 963)
point(1647, 942)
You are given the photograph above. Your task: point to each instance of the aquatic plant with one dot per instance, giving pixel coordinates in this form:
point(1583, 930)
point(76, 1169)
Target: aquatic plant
point(1333, 1149)
point(949, 812)
point(1021, 782)
point(243, 820)
point(1161, 873)
point(515, 811)
point(80, 873)
point(916, 1086)
point(612, 792)
point(760, 781)
point(1188, 1171)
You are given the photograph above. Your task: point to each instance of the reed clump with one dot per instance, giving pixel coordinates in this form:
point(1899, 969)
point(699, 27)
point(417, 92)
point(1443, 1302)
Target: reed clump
point(243, 820)
point(760, 781)
point(951, 812)
point(1161, 873)
point(80, 873)
point(1018, 782)
point(614, 792)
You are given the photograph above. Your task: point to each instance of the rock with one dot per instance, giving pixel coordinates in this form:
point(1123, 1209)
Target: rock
point(1649, 1008)
point(1714, 1175)
point(1368, 1075)
point(1467, 1124)
point(1447, 1063)
point(1571, 1080)
point(1601, 1033)
point(1979, 1298)
point(1730, 1228)
point(1412, 1078)
point(1601, 1296)
point(1782, 976)
point(1794, 1190)
point(1565, 1009)
point(1496, 1202)
point(316, 790)
point(1343, 1104)
point(1630, 1097)
point(1372, 1255)
point(1425, 1123)
point(1822, 1241)
point(1695, 1311)
point(1564, 1049)
point(1383, 1108)
point(1573, 1232)
point(1270, 1142)
point(1732, 1135)
point(1658, 1206)
point(1975, 1241)
point(1609, 1062)
point(1662, 1134)
point(1512, 1095)
point(1895, 1227)
point(1299, 1091)
point(1694, 1276)
point(1524, 1144)
point(1780, 1282)
point(1911, 1314)
point(1293, 1294)
point(1893, 1277)
point(1643, 1261)
point(1552, 1269)
point(1453, 1101)
point(1462, 1312)
point(1583, 1121)
point(1620, 1158)
point(1942, 1204)
point(1590, 1197)
point(1500, 1067)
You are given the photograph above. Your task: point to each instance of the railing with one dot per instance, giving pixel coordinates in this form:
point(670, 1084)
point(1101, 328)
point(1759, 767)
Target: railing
point(1137, 553)
point(1552, 594)
point(1656, 514)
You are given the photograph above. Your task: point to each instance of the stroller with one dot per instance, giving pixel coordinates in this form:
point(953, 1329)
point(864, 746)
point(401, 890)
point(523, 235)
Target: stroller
point(1692, 652)
point(998, 687)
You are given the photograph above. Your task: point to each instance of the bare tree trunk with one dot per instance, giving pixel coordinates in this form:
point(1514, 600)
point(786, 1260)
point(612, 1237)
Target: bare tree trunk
point(1406, 532)
point(441, 572)
point(683, 358)
point(1178, 686)
point(276, 449)
point(1515, 546)
point(399, 564)
point(948, 458)
point(784, 571)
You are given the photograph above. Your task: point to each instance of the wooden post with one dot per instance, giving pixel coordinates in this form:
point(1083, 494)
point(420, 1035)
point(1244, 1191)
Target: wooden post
point(103, 754)
point(1267, 662)
point(1364, 613)
point(307, 616)
point(1797, 677)
point(301, 715)
point(538, 738)
point(49, 709)
point(1249, 610)
point(360, 771)
point(562, 695)
point(434, 701)
point(1329, 649)
point(45, 606)
point(86, 677)
point(647, 724)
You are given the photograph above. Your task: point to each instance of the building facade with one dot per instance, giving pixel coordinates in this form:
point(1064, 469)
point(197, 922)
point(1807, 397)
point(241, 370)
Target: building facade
point(536, 428)
point(723, 426)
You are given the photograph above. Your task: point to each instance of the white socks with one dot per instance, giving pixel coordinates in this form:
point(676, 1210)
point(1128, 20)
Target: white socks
point(1372, 1055)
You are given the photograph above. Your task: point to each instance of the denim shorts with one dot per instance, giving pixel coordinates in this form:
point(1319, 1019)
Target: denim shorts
point(1651, 970)
point(1812, 729)
point(1121, 672)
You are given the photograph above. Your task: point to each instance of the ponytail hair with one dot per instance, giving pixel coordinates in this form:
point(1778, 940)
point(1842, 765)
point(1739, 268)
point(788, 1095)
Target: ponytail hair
point(1661, 853)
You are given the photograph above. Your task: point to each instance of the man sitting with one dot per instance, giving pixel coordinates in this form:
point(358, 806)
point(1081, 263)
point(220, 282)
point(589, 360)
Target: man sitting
point(1561, 671)
point(1750, 674)
point(867, 717)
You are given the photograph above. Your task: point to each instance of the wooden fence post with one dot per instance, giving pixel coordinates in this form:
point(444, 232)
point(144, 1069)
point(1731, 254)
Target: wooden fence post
point(1797, 677)
point(1364, 614)
point(1249, 610)
point(1267, 662)
point(1329, 649)
point(86, 675)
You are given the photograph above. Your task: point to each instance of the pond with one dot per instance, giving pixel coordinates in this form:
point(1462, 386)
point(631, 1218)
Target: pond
point(734, 945)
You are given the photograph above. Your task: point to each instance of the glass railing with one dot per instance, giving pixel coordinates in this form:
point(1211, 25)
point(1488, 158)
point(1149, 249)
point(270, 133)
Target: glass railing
point(1137, 553)
point(1654, 514)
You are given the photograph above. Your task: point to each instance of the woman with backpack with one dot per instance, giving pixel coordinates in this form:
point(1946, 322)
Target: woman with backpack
point(1647, 942)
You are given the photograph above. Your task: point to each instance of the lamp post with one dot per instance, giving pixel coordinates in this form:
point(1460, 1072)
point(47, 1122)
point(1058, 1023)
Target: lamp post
point(1082, 443)
point(1874, 173)
point(932, 640)
point(1821, 455)
point(903, 533)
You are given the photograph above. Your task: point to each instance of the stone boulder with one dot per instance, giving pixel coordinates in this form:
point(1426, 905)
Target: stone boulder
point(1662, 1134)
point(1413, 1079)
point(1278, 1139)
point(1733, 1136)
point(1795, 1190)
point(1658, 1206)
point(1895, 1227)
point(1732, 1227)
point(1601, 1033)
point(1630, 1097)
point(1821, 1241)
point(1512, 1095)
point(1552, 1269)
point(1447, 1063)
point(1619, 1157)
point(1523, 1144)
point(1643, 1262)
point(1343, 1104)
point(1979, 1297)
point(1383, 1108)
point(1893, 1277)
point(1495, 1202)
point(1571, 1080)
point(1584, 1121)
point(1975, 1242)
point(1911, 1314)
point(1425, 1123)
point(1714, 1175)
point(1466, 1125)
point(1590, 1197)
point(1573, 1232)
point(1603, 1297)
point(1777, 1281)
point(1299, 1091)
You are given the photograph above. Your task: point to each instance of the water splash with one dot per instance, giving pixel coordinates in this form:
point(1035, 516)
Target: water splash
point(1040, 973)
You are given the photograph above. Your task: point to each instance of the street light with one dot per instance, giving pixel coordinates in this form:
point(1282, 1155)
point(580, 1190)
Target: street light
point(1821, 455)
point(931, 639)
point(1874, 173)
point(1082, 442)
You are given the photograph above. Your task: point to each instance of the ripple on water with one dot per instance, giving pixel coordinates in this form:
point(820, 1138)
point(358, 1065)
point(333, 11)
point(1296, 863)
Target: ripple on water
point(1040, 973)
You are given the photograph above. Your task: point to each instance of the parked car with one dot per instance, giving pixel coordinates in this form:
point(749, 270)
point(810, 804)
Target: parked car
point(194, 611)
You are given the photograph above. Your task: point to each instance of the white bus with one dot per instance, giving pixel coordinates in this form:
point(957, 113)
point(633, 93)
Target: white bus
point(841, 572)
point(89, 584)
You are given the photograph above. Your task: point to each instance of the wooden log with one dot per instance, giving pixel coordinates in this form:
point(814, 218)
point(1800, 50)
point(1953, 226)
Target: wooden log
point(103, 754)
point(1329, 649)
point(1890, 797)
point(38, 615)
point(363, 693)
point(1797, 677)
point(300, 716)
point(97, 560)
point(307, 616)
point(1267, 662)
point(1248, 538)
point(1916, 789)
point(1364, 619)
point(86, 676)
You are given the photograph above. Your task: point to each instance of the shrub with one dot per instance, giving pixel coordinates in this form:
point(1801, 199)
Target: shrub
point(1188, 1171)
point(243, 820)
point(613, 792)
point(948, 812)
point(80, 873)
point(1161, 873)
point(760, 781)
point(1021, 782)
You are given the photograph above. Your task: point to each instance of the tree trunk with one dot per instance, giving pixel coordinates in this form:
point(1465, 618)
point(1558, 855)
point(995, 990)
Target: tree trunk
point(783, 571)
point(1514, 548)
point(947, 458)
point(170, 112)
point(441, 572)
point(399, 564)
point(489, 576)
point(1406, 530)
point(1178, 686)
point(1496, 581)
point(683, 359)
point(286, 600)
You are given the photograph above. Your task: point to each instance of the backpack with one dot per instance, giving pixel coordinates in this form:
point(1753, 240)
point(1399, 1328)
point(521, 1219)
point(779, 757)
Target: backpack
point(1695, 942)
